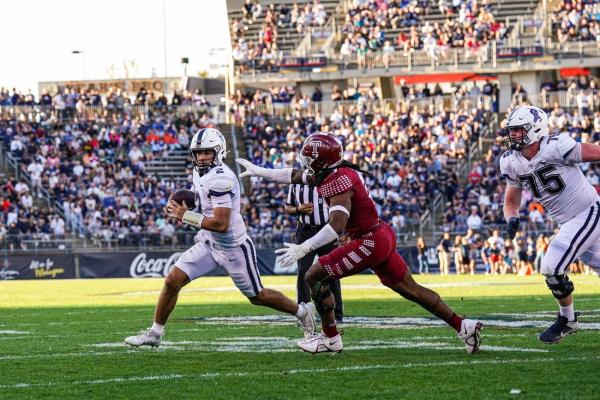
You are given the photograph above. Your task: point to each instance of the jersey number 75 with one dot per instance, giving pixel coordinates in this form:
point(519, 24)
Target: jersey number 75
point(553, 183)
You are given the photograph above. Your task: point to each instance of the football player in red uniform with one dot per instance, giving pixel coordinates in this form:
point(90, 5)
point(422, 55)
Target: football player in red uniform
point(372, 244)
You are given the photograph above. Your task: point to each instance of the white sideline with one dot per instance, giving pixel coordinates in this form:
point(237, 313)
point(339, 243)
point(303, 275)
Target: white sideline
point(291, 371)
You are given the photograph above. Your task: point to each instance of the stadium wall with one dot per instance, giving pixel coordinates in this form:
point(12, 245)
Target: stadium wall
point(130, 264)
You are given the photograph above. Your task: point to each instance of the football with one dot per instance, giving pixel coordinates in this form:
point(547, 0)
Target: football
point(185, 196)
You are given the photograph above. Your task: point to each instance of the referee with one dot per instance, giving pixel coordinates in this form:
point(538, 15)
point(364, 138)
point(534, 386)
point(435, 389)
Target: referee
point(313, 213)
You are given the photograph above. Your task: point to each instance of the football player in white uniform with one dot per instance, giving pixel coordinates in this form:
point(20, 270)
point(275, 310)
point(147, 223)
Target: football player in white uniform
point(547, 166)
point(221, 242)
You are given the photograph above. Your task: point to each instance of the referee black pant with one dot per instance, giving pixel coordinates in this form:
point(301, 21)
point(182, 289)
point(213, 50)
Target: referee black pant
point(303, 233)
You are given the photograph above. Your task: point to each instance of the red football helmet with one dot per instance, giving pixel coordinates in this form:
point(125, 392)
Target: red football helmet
point(320, 151)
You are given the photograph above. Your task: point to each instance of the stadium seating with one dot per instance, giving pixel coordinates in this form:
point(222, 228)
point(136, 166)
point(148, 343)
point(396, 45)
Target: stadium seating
point(107, 171)
point(574, 20)
point(368, 28)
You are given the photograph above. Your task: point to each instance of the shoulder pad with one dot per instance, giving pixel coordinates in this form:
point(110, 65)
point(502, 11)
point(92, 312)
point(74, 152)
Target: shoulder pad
point(505, 161)
point(340, 181)
point(564, 144)
point(219, 185)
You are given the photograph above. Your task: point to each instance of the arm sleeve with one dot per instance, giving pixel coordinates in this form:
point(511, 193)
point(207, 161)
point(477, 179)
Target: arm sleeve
point(220, 191)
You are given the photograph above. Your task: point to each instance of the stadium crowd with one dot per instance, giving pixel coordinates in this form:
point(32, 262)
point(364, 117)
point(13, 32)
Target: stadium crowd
point(93, 166)
point(21, 220)
point(70, 100)
point(262, 51)
point(370, 28)
point(407, 152)
point(576, 20)
point(467, 24)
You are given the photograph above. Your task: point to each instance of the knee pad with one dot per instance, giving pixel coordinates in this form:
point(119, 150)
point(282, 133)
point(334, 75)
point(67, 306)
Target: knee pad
point(319, 292)
point(560, 285)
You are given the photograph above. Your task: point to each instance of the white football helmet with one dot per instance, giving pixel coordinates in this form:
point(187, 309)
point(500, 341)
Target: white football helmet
point(208, 139)
point(531, 121)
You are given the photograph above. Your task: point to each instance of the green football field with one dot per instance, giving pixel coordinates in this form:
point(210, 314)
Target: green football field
point(64, 339)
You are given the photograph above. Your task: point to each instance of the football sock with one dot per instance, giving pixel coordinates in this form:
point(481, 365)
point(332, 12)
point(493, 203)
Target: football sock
point(330, 330)
point(301, 313)
point(455, 322)
point(568, 311)
point(157, 328)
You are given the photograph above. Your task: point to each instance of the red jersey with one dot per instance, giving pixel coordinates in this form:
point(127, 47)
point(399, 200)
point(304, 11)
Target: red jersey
point(363, 215)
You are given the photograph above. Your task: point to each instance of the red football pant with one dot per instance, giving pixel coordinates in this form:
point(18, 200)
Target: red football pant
point(376, 250)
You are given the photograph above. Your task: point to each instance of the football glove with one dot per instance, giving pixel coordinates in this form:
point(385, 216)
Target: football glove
point(291, 253)
point(251, 169)
point(512, 227)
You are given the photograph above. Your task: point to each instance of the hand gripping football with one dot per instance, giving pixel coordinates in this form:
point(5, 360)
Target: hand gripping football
point(185, 196)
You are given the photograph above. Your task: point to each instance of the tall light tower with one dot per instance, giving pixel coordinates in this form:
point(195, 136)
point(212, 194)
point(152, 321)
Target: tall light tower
point(82, 54)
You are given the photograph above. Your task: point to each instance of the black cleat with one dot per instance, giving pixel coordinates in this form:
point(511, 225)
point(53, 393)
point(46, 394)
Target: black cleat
point(559, 329)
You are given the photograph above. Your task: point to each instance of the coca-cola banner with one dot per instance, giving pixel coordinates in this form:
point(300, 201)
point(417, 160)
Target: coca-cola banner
point(41, 266)
point(140, 264)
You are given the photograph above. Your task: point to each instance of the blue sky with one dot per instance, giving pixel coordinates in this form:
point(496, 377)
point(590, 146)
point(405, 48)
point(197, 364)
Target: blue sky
point(39, 37)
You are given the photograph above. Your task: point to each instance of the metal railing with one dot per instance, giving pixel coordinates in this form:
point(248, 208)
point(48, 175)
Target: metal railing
point(436, 206)
point(487, 55)
point(326, 108)
point(425, 220)
point(103, 239)
point(582, 99)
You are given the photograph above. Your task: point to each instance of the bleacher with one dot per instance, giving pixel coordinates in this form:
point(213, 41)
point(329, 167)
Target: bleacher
point(507, 11)
point(288, 38)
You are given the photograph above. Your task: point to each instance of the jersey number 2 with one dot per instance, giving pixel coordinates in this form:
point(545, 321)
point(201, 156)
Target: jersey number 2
point(553, 183)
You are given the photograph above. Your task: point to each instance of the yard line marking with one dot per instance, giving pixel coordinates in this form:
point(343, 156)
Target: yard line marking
point(387, 322)
point(275, 344)
point(11, 332)
point(364, 367)
point(536, 319)
point(256, 344)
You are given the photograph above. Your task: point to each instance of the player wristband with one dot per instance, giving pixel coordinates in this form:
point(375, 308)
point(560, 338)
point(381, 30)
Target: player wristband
point(192, 218)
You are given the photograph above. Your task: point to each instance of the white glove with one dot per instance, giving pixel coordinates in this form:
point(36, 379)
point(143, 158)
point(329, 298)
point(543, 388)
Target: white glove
point(291, 253)
point(251, 169)
point(280, 175)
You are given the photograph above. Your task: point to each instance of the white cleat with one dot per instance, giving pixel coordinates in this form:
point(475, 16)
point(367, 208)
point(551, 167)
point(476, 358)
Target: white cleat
point(322, 344)
point(145, 338)
point(308, 323)
point(469, 334)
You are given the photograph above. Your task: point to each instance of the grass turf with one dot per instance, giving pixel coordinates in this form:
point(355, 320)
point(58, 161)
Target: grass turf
point(63, 339)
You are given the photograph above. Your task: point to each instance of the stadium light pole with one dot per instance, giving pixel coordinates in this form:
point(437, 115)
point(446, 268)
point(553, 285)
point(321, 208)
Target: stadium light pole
point(82, 54)
point(164, 10)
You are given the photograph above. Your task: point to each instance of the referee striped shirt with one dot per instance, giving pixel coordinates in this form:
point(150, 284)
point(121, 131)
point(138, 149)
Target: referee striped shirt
point(300, 194)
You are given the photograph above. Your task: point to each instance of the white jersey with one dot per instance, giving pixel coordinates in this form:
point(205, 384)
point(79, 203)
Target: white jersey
point(219, 187)
point(552, 176)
